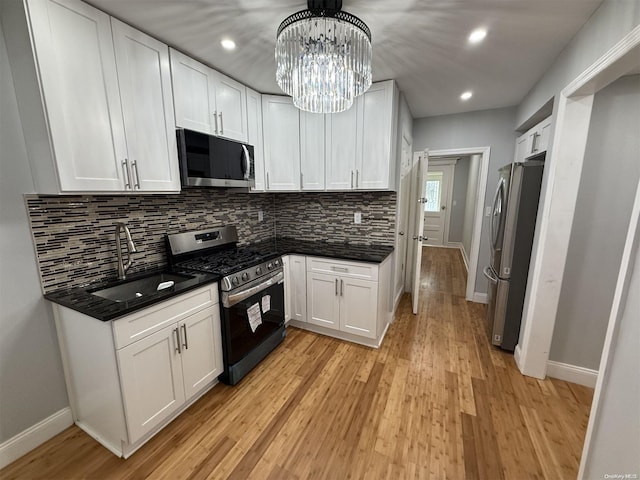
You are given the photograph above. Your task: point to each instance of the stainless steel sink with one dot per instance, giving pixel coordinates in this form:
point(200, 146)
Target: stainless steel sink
point(141, 287)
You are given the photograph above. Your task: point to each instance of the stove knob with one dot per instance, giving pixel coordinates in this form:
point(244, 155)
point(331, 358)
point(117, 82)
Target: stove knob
point(277, 263)
point(259, 271)
point(245, 276)
point(270, 266)
point(235, 280)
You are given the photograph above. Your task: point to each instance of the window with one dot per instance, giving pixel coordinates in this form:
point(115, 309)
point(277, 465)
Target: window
point(433, 192)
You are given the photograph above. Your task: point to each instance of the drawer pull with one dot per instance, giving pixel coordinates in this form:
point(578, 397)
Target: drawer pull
point(340, 269)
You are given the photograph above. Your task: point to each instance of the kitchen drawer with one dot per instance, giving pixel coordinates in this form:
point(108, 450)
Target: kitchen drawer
point(133, 327)
point(365, 271)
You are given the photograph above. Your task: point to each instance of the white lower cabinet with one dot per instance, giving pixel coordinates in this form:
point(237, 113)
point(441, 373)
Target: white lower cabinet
point(344, 299)
point(128, 378)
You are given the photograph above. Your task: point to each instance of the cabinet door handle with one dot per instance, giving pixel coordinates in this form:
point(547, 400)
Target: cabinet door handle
point(267, 180)
point(186, 341)
point(215, 119)
point(125, 173)
point(177, 339)
point(357, 176)
point(301, 181)
point(534, 147)
point(351, 179)
point(336, 286)
point(221, 124)
point(341, 286)
point(136, 175)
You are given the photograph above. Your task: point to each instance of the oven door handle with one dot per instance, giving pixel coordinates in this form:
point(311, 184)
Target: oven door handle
point(230, 299)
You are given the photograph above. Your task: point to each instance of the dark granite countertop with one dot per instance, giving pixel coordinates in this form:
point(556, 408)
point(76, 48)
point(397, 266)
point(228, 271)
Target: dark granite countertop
point(81, 300)
point(341, 251)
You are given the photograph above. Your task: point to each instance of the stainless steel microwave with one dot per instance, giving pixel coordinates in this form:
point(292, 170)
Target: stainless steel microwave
point(208, 161)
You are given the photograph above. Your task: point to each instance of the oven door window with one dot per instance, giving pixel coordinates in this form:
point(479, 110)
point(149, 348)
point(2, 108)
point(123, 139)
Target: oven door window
point(249, 322)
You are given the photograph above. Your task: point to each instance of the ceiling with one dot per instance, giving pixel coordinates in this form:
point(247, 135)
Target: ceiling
point(420, 43)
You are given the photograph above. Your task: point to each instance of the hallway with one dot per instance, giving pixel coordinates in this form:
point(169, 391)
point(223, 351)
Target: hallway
point(435, 401)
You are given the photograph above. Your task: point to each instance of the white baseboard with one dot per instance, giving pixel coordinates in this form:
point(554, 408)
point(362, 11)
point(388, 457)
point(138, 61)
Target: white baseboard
point(480, 297)
point(572, 373)
point(34, 436)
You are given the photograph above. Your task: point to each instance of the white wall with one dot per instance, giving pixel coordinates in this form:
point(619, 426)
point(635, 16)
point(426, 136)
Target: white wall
point(470, 202)
point(609, 23)
point(31, 379)
point(615, 441)
point(493, 128)
point(608, 185)
point(459, 199)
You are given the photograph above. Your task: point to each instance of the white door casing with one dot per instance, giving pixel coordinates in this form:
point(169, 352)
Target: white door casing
point(423, 167)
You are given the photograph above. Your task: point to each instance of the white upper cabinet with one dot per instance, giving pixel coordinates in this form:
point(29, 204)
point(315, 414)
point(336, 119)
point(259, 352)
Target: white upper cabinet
point(534, 142)
point(341, 142)
point(208, 101)
point(281, 128)
point(104, 120)
point(376, 132)
point(254, 135)
point(79, 83)
point(231, 107)
point(193, 94)
point(312, 148)
point(147, 105)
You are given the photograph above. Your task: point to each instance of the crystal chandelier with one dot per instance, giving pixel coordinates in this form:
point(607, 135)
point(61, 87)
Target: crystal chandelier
point(323, 57)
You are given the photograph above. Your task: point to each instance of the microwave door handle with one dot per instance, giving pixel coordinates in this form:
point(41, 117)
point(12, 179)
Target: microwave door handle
point(246, 162)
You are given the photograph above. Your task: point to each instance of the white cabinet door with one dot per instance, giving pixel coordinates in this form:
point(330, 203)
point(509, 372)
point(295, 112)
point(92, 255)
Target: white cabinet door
point(231, 108)
point(151, 379)
point(298, 287)
point(193, 94)
point(375, 131)
point(323, 306)
point(78, 76)
point(544, 134)
point(281, 129)
point(287, 288)
point(358, 307)
point(201, 349)
point(522, 148)
point(341, 149)
point(312, 145)
point(254, 133)
point(147, 102)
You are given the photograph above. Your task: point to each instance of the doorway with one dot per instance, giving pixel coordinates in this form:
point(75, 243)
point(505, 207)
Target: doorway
point(437, 205)
point(474, 205)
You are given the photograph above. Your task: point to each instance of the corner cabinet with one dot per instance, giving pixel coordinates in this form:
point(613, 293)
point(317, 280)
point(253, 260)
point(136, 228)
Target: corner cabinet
point(94, 97)
point(208, 101)
point(343, 299)
point(130, 377)
point(281, 130)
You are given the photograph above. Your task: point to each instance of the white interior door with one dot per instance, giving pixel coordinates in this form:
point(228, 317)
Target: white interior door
point(423, 166)
point(436, 206)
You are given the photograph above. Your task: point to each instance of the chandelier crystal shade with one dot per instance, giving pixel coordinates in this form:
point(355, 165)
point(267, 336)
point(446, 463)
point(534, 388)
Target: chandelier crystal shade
point(323, 57)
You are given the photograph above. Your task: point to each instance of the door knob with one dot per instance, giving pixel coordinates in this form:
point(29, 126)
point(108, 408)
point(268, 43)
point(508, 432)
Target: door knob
point(443, 207)
point(401, 233)
point(419, 238)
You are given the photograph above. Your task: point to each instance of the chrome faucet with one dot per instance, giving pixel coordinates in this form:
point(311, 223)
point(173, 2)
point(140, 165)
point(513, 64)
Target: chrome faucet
point(131, 248)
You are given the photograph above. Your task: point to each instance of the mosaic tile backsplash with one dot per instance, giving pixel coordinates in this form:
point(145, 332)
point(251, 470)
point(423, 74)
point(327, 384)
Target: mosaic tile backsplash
point(329, 217)
point(74, 235)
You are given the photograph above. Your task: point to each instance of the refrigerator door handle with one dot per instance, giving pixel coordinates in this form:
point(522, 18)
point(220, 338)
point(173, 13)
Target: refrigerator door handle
point(489, 274)
point(495, 213)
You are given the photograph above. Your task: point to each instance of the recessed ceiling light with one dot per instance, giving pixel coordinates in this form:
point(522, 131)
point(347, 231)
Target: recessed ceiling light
point(477, 35)
point(228, 44)
point(466, 95)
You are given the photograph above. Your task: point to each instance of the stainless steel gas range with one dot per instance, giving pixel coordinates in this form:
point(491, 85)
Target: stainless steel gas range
point(251, 294)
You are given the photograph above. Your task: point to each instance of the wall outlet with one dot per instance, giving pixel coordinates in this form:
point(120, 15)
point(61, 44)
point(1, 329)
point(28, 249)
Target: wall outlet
point(487, 211)
point(260, 215)
point(357, 217)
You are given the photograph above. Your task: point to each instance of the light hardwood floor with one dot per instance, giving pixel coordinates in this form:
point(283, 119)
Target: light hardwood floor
point(435, 401)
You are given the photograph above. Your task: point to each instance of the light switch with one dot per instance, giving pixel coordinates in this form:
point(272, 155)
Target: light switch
point(357, 217)
point(260, 215)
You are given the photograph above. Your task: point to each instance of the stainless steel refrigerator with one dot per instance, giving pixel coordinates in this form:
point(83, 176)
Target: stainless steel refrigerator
point(513, 222)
